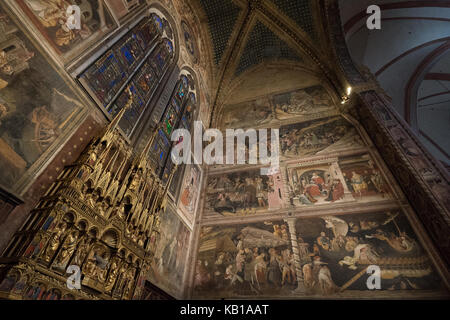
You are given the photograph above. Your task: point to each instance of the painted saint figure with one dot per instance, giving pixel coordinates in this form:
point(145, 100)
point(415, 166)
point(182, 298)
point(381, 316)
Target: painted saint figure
point(358, 183)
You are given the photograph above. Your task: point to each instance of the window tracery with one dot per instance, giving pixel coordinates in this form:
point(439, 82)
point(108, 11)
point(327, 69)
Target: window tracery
point(138, 62)
point(179, 114)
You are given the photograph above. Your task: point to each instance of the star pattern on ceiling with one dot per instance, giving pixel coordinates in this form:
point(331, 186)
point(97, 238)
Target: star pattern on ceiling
point(222, 16)
point(300, 12)
point(243, 34)
point(262, 45)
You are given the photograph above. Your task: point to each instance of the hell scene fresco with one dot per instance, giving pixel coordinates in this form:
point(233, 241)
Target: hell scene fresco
point(240, 193)
point(190, 192)
point(349, 179)
point(256, 260)
point(36, 106)
point(318, 137)
point(168, 266)
point(51, 17)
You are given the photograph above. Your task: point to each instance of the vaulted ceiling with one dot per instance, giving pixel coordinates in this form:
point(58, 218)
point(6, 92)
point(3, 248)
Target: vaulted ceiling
point(243, 35)
point(257, 46)
point(222, 17)
point(410, 56)
point(227, 17)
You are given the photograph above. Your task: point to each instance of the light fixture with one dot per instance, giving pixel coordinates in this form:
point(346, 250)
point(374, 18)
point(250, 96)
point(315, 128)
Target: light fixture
point(345, 97)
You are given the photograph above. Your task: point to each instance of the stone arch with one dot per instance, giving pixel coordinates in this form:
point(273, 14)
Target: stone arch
point(188, 71)
point(83, 225)
point(93, 232)
point(70, 217)
point(130, 258)
point(111, 237)
point(163, 13)
point(270, 78)
point(122, 253)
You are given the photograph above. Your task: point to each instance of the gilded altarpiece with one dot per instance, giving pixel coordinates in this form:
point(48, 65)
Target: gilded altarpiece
point(100, 219)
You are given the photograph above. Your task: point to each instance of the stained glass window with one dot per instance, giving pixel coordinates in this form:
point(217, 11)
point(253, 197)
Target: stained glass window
point(179, 113)
point(137, 61)
point(158, 22)
point(104, 78)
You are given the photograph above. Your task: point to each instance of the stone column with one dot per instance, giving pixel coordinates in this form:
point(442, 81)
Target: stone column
point(424, 180)
point(298, 266)
point(8, 202)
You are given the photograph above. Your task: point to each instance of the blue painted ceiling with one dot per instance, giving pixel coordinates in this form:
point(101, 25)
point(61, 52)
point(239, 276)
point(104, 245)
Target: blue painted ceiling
point(300, 12)
point(261, 45)
point(222, 16)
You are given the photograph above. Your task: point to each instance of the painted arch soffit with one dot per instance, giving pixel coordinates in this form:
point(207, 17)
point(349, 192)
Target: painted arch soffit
point(270, 79)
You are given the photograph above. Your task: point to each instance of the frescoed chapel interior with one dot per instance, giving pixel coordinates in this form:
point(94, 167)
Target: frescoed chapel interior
point(88, 185)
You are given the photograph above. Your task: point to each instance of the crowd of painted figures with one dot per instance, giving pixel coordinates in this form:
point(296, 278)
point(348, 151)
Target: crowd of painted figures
point(238, 191)
point(52, 18)
point(334, 252)
point(365, 182)
point(250, 268)
point(354, 244)
point(315, 184)
point(302, 102)
point(312, 137)
point(297, 103)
